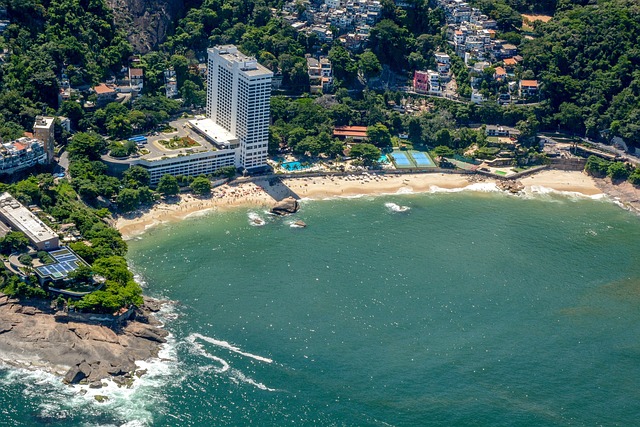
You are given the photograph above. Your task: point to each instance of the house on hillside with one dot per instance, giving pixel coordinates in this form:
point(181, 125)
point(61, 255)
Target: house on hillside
point(136, 78)
point(105, 94)
point(528, 87)
point(357, 133)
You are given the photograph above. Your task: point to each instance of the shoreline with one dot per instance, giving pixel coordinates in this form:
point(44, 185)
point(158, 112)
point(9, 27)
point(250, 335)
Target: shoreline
point(265, 192)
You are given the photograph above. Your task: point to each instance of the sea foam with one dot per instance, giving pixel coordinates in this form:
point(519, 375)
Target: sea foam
point(255, 220)
point(393, 207)
point(234, 374)
point(228, 346)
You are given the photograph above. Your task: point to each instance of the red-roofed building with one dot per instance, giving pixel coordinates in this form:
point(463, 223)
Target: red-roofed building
point(528, 87)
point(509, 63)
point(500, 73)
point(105, 94)
point(136, 78)
point(357, 133)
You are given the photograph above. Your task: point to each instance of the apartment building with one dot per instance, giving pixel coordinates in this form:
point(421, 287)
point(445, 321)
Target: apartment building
point(21, 154)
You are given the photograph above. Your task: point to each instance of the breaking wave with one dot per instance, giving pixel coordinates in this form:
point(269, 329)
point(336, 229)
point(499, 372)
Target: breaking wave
point(396, 208)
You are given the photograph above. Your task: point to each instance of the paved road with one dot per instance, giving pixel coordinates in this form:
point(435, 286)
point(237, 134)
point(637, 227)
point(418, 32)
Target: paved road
point(63, 163)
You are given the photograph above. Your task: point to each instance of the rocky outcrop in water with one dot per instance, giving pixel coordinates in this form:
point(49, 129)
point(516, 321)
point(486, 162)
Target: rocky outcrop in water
point(510, 186)
point(32, 336)
point(286, 206)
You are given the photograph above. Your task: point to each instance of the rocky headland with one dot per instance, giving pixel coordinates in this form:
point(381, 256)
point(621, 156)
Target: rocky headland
point(37, 336)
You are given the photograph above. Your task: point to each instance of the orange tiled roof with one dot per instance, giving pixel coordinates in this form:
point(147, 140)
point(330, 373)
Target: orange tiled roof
point(102, 89)
point(528, 83)
point(359, 131)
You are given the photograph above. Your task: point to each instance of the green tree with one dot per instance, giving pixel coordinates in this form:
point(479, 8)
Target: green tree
point(379, 135)
point(136, 176)
point(128, 200)
point(596, 166)
point(368, 153)
point(634, 177)
point(168, 186)
point(88, 145)
point(201, 186)
point(443, 151)
point(14, 241)
point(618, 171)
point(82, 274)
point(368, 64)
point(390, 43)
point(227, 171)
point(443, 137)
point(344, 67)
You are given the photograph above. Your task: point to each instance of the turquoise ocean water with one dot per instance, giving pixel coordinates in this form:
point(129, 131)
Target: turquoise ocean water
point(465, 309)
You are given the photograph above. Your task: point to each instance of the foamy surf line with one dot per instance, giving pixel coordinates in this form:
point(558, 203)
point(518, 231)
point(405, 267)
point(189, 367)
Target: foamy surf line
point(542, 190)
point(229, 347)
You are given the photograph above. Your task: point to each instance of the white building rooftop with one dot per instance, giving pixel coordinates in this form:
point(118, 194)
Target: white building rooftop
point(214, 133)
point(21, 218)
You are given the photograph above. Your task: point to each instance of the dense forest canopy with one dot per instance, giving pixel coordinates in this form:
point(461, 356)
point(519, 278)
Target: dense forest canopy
point(588, 58)
point(46, 38)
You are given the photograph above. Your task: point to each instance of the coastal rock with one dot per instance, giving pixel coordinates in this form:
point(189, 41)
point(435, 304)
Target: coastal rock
point(88, 352)
point(5, 327)
point(286, 206)
point(152, 305)
point(510, 186)
point(76, 374)
point(152, 334)
point(93, 332)
point(29, 311)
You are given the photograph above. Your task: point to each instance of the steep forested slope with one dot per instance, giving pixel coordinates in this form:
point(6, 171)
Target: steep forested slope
point(46, 38)
point(588, 59)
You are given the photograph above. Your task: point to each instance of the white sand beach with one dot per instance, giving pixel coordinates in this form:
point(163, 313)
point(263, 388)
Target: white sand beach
point(261, 192)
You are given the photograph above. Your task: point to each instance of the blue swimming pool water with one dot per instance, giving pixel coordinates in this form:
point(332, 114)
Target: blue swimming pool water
point(293, 166)
point(383, 159)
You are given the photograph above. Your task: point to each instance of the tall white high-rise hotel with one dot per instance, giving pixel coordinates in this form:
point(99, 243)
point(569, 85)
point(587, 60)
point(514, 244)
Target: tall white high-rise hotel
point(237, 122)
point(238, 100)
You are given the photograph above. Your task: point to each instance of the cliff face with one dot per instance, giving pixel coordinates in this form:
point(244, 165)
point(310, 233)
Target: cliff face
point(146, 21)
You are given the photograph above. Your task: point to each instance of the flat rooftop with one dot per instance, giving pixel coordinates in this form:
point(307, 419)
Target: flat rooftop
point(213, 132)
point(22, 218)
point(247, 64)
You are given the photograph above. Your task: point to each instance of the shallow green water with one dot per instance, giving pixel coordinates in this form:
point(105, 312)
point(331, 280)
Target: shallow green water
point(467, 309)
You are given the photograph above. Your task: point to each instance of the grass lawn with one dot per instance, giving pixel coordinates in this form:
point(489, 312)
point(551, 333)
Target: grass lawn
point(176, 142)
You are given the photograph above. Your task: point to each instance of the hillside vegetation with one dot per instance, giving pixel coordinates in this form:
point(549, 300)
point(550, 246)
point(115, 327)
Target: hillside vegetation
point(588, 58)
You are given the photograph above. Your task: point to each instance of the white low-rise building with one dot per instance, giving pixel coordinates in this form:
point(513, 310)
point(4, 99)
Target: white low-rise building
point(19, 218)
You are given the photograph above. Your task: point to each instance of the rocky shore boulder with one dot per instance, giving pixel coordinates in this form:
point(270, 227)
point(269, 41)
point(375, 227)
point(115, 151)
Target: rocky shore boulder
point(286, 206)
point(510, 186)
point(80, 352)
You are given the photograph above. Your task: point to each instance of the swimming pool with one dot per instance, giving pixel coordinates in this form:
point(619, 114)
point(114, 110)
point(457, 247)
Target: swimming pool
point(383, 159)
point(293, 166)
